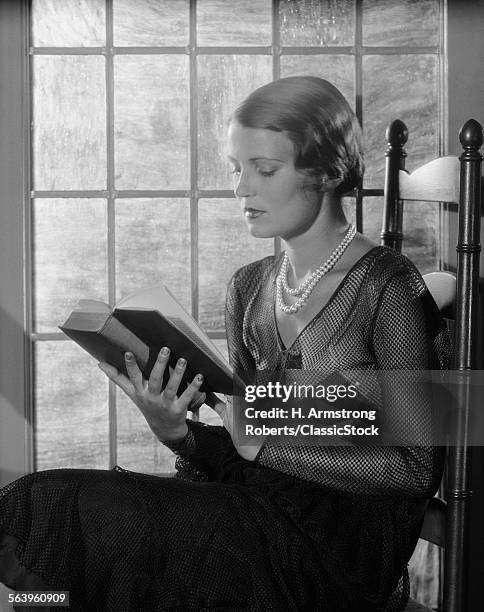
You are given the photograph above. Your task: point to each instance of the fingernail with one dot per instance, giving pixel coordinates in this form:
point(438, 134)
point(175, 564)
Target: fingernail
point(181, 362)
point(165, 350)
point(129, 356)
point(199, 377)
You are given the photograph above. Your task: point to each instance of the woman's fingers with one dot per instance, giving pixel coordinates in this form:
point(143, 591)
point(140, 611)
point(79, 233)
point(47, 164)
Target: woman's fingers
point(156, 377)
point(175, 379)
point(134, 372)
point(192, 391)
point(119, 379)
point(224, 411)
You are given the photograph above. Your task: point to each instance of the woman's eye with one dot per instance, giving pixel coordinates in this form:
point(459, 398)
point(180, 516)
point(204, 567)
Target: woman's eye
point(265, 173)
point(235, 171)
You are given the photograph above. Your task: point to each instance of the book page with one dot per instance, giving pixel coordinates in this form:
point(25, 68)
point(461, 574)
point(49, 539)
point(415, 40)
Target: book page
point(95, 306)
point(209, 347)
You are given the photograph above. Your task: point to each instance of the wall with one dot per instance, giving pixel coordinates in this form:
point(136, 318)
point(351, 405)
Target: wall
point(14, 426)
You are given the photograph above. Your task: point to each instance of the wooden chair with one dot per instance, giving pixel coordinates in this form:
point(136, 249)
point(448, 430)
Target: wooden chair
point(457, 180)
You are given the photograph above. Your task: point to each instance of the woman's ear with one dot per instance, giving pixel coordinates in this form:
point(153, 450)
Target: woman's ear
point(330, 184)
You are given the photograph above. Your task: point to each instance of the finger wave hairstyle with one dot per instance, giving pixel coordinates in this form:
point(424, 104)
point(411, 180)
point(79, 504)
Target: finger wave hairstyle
point(318, 120)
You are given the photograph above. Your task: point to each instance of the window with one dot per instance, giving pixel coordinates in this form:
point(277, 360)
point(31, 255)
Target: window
point(129, 104)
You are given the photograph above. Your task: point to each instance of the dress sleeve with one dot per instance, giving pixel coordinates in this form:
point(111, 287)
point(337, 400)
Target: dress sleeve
point(201, 453)
point(401, 340)
point(239, 355)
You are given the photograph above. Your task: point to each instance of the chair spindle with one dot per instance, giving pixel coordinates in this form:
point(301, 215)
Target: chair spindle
point(468, 248)
point(396, 136)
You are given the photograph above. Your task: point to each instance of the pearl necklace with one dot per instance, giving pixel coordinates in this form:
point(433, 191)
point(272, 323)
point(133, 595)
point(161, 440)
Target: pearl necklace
point(305, 289)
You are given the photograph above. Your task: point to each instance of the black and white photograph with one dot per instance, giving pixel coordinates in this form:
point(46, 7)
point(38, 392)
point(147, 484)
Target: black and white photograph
point(241, 310)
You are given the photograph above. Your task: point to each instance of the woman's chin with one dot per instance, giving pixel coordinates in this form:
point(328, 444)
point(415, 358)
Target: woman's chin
point(259, 232)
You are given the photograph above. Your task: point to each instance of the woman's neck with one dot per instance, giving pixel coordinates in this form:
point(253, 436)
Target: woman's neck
point(307, 251)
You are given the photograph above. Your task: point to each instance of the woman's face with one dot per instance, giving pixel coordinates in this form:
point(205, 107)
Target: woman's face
point(267, 185)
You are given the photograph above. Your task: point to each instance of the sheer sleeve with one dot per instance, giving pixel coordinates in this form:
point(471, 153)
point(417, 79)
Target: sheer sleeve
point(402, 338)
point(202, 451)
point(240, 358)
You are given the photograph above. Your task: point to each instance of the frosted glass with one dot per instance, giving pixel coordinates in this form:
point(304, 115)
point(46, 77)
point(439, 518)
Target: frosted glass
point(151, 126)
point(245, 22)
point(372, 217)
point(68, 23)
point(399, 87)
point(207, 415)
point(337, 69)
point(71, 408)
point(322, 23)
point(225, 246)
point(153, 246)
point(138, 449)
point(224, 81)
point(401, 22)
point(421, 223)
point(69, 118)
point(69, 257)
point(144, 23)
point(349, 209)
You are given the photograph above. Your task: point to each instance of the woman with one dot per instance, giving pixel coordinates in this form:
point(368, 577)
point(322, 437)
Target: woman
point(266, 526)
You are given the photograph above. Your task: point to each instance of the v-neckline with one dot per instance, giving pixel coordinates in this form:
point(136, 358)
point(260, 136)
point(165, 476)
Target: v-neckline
point(321, 310)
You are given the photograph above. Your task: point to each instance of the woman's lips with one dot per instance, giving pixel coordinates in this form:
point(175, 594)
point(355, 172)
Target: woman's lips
point(253, 213)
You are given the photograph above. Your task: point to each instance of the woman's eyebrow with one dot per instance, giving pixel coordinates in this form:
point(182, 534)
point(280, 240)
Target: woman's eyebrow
point(258, 158)
point(262, 158)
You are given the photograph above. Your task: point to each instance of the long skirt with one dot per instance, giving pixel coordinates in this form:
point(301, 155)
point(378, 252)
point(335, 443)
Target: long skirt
point(253, 539)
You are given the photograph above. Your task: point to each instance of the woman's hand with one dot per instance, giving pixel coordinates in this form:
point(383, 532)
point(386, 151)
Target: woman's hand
point(249, 449)
point(163, 410)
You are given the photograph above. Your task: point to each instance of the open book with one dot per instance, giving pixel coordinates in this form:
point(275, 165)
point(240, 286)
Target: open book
point(143, 323)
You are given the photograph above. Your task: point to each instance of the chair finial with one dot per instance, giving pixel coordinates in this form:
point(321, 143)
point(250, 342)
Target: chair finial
point(396, 134)
point(470, 135)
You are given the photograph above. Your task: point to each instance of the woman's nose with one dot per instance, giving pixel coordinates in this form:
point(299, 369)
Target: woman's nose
point(243, 187)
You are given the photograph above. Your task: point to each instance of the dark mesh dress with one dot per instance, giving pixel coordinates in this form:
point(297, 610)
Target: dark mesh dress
point(313, 528)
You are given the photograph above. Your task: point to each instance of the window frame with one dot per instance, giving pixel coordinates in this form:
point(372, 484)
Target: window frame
point(16, 417)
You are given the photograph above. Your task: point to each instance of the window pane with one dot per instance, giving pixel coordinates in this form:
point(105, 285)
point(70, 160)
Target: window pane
point(69, 111)
point(145, 23)
point(69, 252)
point(68, 23)
point(399, 87)
point(421, 223)
point(153, 246)
point(349, 208)
point(151, 124)
point(337, 69)
point(317, 23)
point(406, 22)
point(245, 22)
point(207, 415)
point(225, 246)
point(138, 448)
point(372, 217)
point(224, 81)
point(71, 408)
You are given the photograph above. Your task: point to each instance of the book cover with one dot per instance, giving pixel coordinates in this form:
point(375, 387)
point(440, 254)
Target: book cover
point(143, 323)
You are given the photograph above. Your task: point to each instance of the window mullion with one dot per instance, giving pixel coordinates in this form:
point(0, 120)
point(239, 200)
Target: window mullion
point(111, 229)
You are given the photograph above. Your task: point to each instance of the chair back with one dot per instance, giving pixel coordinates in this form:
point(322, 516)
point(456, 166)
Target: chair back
point(454, 180)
